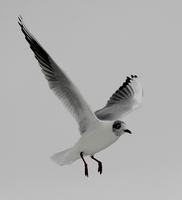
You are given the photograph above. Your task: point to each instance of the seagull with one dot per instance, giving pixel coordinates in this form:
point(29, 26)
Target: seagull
point(98, 129)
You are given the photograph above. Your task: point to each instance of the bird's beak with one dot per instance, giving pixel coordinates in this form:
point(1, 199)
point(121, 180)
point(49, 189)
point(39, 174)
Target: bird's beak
point(127, 131)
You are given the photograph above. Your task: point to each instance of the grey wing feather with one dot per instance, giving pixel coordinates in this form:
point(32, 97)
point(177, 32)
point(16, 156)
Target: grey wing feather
point(60, 83)
point(127, 98)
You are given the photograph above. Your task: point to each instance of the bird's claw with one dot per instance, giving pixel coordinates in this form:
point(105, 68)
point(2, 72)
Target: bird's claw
point(86, 171)
point(100, 168)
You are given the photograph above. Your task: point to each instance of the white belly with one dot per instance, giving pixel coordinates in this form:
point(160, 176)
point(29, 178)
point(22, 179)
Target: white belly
point(96, 141)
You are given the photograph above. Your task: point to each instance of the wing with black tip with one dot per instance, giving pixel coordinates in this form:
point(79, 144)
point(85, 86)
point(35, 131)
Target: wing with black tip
point(127, 98)
point(61, 84)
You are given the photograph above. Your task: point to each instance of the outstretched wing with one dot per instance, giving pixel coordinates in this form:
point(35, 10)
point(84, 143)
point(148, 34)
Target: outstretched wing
point(60, 84)
point(127, 98)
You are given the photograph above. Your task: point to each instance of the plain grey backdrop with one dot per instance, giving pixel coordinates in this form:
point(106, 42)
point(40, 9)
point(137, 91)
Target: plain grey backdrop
point(97, 43)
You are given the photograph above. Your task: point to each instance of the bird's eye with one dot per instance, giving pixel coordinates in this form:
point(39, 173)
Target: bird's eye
point(117, 125)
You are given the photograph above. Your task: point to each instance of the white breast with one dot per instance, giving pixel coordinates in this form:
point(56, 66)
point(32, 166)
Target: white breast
point(99, 139)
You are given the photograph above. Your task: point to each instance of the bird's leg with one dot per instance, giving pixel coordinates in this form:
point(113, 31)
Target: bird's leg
point(85, 164)
point(99, 164)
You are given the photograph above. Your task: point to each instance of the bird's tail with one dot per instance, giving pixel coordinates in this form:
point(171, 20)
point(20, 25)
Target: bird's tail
point(65, 157)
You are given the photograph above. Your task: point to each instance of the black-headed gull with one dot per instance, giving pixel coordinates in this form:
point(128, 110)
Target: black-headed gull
point(98, 130)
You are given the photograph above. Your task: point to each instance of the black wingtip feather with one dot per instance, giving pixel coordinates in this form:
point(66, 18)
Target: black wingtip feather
point(124, 91)
point(134, 76)
point(40, 53)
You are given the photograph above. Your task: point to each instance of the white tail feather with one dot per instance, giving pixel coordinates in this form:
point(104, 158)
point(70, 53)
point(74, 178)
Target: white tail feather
point(65, 157)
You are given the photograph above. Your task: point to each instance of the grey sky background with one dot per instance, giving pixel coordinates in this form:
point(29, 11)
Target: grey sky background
point(97, 43)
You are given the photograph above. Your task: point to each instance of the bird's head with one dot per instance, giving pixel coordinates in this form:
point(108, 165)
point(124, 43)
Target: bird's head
point(119, 128)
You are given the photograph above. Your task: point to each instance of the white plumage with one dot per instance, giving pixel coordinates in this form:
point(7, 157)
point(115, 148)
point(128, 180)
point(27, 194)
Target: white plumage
point(98, 130)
